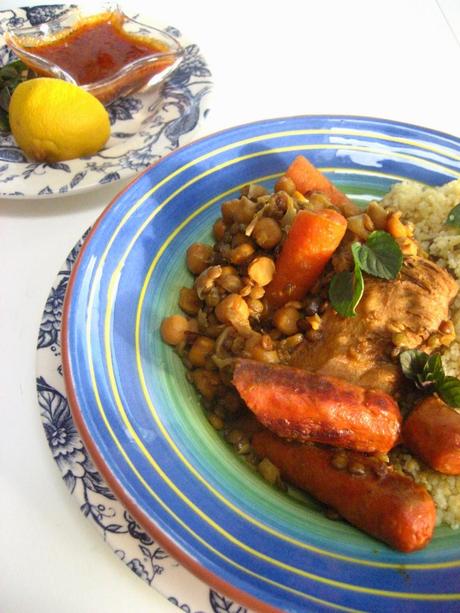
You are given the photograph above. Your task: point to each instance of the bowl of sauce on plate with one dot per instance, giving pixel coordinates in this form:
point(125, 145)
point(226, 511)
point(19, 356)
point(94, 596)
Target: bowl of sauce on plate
point(108, 54)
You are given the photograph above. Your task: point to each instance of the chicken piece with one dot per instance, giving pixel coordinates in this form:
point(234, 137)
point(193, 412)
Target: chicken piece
point(405, 312)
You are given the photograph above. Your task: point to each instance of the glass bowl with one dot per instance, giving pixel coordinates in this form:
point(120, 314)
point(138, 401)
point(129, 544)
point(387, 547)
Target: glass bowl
point(139, 74)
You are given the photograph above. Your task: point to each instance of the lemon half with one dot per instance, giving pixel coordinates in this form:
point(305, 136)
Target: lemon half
point(52, 120)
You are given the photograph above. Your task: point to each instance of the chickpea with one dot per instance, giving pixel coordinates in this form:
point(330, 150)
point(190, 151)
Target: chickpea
point(200, 350)
point(246, 290)
point(240, 254)
point(228, 270)
point(228, 210)
point(245, 211)
point(252, 341)
point(285, 184)
point(230, 283)
point(267, 233)
point(269, 471)
point(216, 421)
point(174, 328)
point(377, 214)
point(254, 191)
point(316, 200)
point(261, 270)
point(255, 306)
point(207, 382)
point(270, 356)
point(257, 292)
point(361, 225)
point(285, 319)
point(189, 301)
point(218, 229)
point(233, 310)
point(198, 257)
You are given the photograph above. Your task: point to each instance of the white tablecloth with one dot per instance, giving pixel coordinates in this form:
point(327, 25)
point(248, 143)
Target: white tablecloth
point(391, 59)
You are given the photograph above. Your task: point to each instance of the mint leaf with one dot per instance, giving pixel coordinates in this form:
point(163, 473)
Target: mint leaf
point(433, 370)
point(412, 363)
point(453, 219)
point(428, 374)
point(449, 391)
point(380, 256)
point(346, 288)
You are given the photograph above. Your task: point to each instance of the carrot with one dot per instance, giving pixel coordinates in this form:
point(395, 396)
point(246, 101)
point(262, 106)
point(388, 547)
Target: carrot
point(302, 406)
point(362, 489)
point(310, 243)
point(432, 432)
point(307, 178)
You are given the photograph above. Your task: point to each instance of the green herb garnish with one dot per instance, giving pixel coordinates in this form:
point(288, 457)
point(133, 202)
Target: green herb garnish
point(10, 76)
point(346, 288)
point(428, 375)
point(380, 256)
point(453, 219)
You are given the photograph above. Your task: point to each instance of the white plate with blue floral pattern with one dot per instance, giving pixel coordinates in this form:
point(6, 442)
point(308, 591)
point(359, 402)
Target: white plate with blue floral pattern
point(145, 557)
point(144, 127)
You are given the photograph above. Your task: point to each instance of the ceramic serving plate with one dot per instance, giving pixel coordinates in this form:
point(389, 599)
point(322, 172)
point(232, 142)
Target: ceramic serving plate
point(142, 422)
point(144, 126)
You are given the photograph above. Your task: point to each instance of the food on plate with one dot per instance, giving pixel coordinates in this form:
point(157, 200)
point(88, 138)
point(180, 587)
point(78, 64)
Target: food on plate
point(409, 311)
point(314, 328)
point(432, 433)
point(365, 491)
point(302, 406)
point(52, 120)
point(10, 76)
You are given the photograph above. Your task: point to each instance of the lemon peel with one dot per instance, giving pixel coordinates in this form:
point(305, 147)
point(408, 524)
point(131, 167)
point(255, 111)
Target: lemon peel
point(53, 120)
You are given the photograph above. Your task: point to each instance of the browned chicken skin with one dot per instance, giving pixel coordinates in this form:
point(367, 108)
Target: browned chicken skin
point(359, 349)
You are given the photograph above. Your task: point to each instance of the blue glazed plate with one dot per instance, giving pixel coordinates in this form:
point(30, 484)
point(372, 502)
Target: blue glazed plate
point(144, 126)
point(141, 420)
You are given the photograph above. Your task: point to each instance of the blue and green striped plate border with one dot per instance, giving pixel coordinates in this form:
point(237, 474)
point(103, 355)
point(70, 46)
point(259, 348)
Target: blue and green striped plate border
point(142, 421)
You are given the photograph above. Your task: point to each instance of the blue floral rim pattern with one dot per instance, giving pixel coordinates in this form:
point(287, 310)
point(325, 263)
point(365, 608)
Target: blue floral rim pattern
point(144, 126)
point(145, 557)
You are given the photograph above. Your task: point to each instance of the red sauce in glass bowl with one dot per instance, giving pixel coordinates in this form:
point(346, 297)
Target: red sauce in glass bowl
point(97, 50)
point(98, 53)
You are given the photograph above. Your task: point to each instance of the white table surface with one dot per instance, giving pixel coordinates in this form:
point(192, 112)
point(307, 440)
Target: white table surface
point(392, 59)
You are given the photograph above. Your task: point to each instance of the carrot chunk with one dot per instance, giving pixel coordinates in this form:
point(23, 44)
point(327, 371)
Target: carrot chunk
point(307, 178)
point(310, 243)
point(432, 432)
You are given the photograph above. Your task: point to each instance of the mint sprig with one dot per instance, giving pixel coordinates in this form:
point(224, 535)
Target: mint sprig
point(346, 288)
point(380, 256)
point(428, 374)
